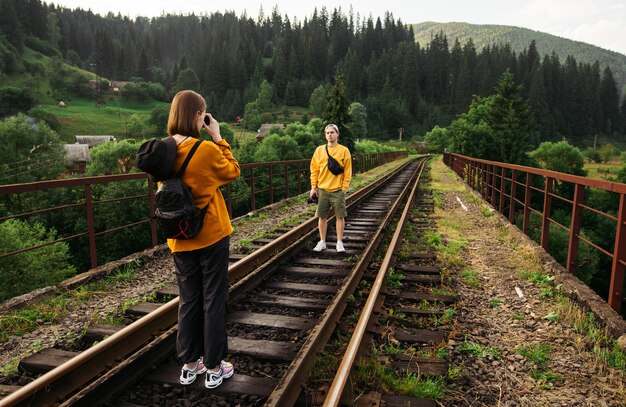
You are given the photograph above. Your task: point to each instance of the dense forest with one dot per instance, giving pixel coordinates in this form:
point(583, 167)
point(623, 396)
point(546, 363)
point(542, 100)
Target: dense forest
point(401, 84)
point(518, 38)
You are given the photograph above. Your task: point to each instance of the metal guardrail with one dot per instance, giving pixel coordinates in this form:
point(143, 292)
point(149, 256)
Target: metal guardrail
point(511, 189)
point(262, 184)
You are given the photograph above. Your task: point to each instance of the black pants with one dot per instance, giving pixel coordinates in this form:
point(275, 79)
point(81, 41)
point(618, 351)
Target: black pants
point(203, 293)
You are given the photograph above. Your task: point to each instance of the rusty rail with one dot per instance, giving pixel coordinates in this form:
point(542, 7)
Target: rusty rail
point(336, 389)
point(500, 185)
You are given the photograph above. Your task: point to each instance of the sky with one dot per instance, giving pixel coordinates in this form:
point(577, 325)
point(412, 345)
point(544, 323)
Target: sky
point(597, 22)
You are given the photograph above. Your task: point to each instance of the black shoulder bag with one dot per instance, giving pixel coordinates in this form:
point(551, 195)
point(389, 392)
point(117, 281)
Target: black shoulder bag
point(333, 165)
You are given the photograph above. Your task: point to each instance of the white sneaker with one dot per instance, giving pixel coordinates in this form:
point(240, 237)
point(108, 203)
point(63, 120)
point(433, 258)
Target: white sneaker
point(340, 247)
point(321, 245)
point(214, 379)
point(188, 376)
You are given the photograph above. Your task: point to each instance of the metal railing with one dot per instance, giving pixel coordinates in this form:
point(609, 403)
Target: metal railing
point(260, 184)
point(519, 191)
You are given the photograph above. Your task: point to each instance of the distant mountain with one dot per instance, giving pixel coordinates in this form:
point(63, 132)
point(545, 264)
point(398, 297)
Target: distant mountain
point(519, 38)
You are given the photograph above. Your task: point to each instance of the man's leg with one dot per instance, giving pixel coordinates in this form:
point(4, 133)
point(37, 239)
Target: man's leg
point(323, 225)
point(339, 224)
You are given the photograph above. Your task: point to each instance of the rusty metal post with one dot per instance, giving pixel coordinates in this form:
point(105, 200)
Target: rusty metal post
point(252, 197)
point(271, 185)
point(547, 208)
point(483, 182)
point(616, 289)
point(91, 226)
point(287, 181)
point(152, 209)
point(574, 230)
point(502, 187)
point(492, 184)
point(526, 222)
point(229, 201)
point(513, 195)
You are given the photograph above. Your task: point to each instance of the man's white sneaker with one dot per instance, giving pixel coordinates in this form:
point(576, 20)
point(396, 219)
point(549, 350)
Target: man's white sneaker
point(321, 245)
point(340, 247)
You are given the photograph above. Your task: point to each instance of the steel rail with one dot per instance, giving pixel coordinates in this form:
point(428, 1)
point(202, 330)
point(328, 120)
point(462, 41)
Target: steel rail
point(289, 387)
point(56, 384)
point(343, 372)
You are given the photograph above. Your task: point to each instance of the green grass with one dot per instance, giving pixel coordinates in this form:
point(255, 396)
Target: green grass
point(603, 170)
point(82, 117)
point(495, 302)
point(479, 351)
point(29, 318)
point(371, 374)
point(539, 278)
point(394, 279)
point(545, 378)
point(470, 278)
point(55, 308)
point(538, 353)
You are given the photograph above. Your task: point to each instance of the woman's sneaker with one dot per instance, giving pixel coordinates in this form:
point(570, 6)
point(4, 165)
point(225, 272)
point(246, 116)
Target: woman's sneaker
point(187, 376)
point(214, 379)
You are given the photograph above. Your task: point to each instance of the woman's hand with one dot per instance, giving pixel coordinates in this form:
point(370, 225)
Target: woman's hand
point(213, 128)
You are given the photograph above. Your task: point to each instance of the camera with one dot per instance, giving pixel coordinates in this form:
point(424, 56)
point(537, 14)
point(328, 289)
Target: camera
point(312, 199)
point(207, 120)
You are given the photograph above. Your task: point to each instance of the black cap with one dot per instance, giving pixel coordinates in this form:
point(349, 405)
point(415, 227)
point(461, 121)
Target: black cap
point(156, 157)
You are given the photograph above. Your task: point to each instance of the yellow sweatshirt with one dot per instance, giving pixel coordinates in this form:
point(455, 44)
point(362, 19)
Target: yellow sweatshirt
point(212, 166)
point(322, 178)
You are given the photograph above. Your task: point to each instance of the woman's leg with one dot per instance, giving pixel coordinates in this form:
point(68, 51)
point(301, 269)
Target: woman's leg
point(190, 317)
point(214, 263)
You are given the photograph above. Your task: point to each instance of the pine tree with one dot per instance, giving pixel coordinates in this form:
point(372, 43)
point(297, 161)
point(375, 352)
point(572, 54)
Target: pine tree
point(537, 98)
point(10, 25)
point(610, 101)
point(623, 114)
point(509, 117)
point(337, 112)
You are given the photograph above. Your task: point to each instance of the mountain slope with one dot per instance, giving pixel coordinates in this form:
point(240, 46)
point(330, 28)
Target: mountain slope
point(519, 38)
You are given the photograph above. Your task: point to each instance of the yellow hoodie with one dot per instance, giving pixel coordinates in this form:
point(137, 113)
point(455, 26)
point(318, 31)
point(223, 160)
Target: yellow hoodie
point(212, 166)
point(322, 178)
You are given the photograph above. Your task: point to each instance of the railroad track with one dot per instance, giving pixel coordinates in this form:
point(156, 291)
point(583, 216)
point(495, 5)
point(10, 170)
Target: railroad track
point(285, 300)
point(406, 319)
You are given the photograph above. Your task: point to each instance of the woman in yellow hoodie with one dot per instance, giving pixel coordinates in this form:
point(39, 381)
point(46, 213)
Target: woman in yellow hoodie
point(330, 188)
point(202, 262)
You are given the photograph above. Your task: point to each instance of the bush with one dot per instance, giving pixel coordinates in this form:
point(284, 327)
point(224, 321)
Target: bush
point(41, 46)
point(133, 92)
point(373, 147)
point(592, 155)
point(27, 271)
point(155, 90)
point(14, 100)
point(41, 115)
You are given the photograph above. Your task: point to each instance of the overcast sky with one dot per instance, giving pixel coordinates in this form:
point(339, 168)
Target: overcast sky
point(597, 22)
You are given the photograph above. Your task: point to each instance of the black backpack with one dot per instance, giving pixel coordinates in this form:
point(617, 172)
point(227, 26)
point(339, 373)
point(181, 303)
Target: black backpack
point(176, 213)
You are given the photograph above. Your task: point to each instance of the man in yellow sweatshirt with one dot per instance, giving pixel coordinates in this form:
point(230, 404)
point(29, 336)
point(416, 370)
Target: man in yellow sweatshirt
point(330, 188)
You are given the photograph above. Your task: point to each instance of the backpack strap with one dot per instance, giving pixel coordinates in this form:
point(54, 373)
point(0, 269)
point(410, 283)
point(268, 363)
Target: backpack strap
point(183, 167)
point(327, 153)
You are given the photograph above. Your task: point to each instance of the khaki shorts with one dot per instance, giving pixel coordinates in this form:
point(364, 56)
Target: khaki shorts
point(326, 200)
